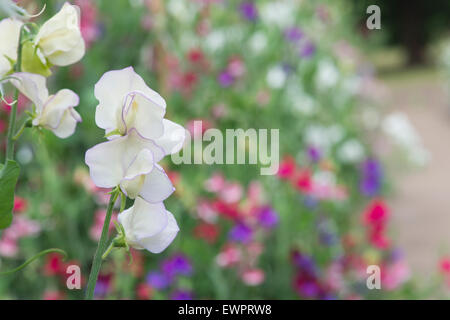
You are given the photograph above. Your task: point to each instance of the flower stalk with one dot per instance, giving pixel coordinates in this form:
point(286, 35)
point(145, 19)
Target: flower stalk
point(12, 117)
point(95, 270)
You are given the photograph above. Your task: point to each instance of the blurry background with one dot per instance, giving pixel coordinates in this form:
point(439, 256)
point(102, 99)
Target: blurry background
point(363, 118)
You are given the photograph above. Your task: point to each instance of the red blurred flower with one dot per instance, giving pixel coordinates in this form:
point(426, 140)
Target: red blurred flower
point(376, 213)
point(20, 204)
point(207, 231)
point(54, 265)
point(287, 168)
point(227, 210)
point(303, 181)
point(144, 291)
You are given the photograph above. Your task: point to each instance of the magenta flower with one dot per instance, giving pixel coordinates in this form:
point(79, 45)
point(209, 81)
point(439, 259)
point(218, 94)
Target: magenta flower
point(225, 79)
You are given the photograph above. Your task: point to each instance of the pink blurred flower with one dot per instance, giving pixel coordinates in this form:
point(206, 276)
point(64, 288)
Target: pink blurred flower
point(206, 211)
point(236, 67)
point(231, 193)
point(88, 21)
point(253, 277)
point(230, 255)
point(215, 183)
point(395, 274)
point(219, 111)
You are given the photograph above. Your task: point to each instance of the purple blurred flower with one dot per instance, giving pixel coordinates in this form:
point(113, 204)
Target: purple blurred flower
point(181, 295)
point(248, 10)
point(241, 233)
point(308, 289)
point(176, 265)
point(102, 286)
point(305, 263)
point(314, 154)
point(371, 177)
point(268, 217)
point(225, 79)
point(158, 280)
point(293, 34)
point(307, 50)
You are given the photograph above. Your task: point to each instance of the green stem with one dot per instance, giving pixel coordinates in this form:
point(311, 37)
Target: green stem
point(44, 252)
point(95, 270)
point(20, 131)
point(12, 122)
point(12, 117)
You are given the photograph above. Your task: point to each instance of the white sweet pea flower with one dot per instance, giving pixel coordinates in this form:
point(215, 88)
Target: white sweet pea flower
point(126, 102)
point(55, 112)
point(60, 38)
point(9, 42)
point(131, 163)
point(148, 226)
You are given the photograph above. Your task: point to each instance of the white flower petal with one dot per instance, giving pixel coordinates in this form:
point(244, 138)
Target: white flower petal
point(157, 185)
point(104, 162)
point(143, 220)
point(162, 240)
point(142, 164)
point(33, 86)
point(56, 106)
point(144, 115)
point(173, 138)
point(67, 124)
point(9, 39)
point(60, 37)
point(109, 161)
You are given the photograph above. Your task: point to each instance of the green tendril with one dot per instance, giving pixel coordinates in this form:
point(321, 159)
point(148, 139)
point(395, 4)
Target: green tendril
point(40, 254)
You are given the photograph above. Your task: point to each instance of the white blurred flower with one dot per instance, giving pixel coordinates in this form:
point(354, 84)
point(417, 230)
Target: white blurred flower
point(323, 137)
point(352, 151)
point(279, 13)
point(398, 126)
point(258, 42)
point(327, 75)
point(181, 10)
point(148, 226)
point(215, 40)
point(276, 77)
point(60, 38)
point(9, 40)
point(55, 112)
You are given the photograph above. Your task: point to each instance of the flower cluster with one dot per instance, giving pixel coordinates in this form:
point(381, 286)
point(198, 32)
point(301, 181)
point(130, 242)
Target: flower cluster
point(317, 180)
point(252, 221)
point(57, 42)
point(132, 116)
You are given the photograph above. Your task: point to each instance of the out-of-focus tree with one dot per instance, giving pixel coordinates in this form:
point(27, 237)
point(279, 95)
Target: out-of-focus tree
point(412, 24)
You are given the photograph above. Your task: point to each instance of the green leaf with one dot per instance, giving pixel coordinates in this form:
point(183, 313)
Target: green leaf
point(8, 179)
point(31, 62)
